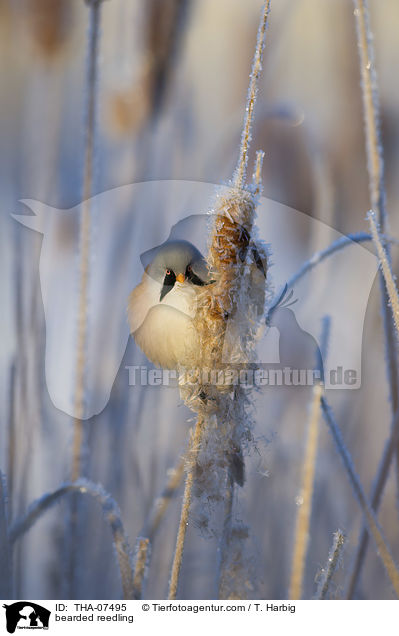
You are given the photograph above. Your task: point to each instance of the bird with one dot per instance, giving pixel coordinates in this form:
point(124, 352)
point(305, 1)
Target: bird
point(162, 307)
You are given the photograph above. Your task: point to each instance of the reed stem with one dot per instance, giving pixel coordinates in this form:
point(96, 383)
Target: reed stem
point(240, 172)
point(111, 513)
point(375, 165)
point(185, 511)
point(332, 564)
point(306, 496)
point(383, 550)
point(85, 225)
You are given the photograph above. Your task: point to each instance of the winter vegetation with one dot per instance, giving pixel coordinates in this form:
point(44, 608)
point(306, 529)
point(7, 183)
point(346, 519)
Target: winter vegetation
point(128, 123)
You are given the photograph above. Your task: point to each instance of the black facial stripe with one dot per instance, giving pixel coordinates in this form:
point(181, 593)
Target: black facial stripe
point(196, 280)
point(168, 283)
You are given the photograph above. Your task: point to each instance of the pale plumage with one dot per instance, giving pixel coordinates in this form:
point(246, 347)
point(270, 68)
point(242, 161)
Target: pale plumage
point(162, 307)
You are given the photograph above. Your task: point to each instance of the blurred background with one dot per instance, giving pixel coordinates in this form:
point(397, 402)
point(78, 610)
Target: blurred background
point(171, 98)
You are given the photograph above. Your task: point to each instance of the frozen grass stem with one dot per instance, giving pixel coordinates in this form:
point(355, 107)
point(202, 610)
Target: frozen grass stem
point(142, 557)
point(305, 504)
point(224, 543)
point(371, 110)
point(375, 498)
point(85, 225)
point(111, 513)
point(375, 164)
point(332, 564)
point(185, 511)
point(161, 503)
point(6, 591)
point(374, 529)
point(386, 269)
point(257, 176)
point(240, 173)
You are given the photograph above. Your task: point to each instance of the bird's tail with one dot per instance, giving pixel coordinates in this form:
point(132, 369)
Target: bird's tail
point(237, 465)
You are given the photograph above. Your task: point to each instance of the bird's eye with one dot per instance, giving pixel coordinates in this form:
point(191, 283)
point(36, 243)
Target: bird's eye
point(168, 283)
point(189, 268)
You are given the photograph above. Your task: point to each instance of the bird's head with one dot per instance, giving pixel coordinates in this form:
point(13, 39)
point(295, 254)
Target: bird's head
point(178, 263)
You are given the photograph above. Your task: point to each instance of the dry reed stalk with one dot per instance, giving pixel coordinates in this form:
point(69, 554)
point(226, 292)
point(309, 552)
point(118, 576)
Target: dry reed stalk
point(257, 176)
point(306, 496)
point(143, 550)
point(375, 498)
point(157, 513)
point(371, 111)
point(240, 173)
point(375, 164)
point(21, 411)
point(336, 246)
point(386, 269)
point(383, 550)
point(219, 303)
point(111, 513)
point(79, 428)
point(162, 503)
point(230, 572)
point(6, 591)
point(320, 256)
point(226, 536)
point(332, 564)
point(374, 151)
point(239, 567)
point(85, 223)
point(11, 438)
point(185, 511)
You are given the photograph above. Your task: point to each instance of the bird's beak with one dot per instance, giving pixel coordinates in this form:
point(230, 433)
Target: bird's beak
point(180, 278)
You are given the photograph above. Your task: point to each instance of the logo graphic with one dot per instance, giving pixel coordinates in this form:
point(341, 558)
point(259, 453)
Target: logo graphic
point(26, 615)
point(130, 221)
point(298, 349)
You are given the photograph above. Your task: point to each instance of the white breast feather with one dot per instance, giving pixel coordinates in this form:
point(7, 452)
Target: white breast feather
point(164, 330)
